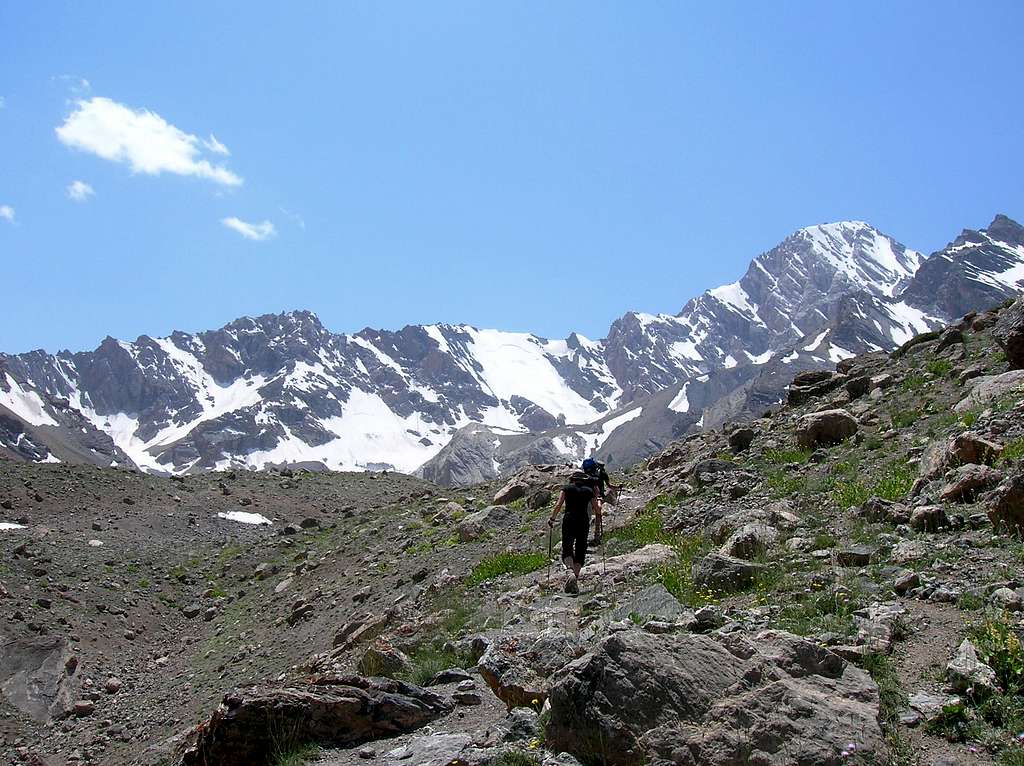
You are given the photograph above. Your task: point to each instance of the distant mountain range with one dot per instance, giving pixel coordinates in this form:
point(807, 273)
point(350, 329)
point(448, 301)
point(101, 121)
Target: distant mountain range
point(459, 404)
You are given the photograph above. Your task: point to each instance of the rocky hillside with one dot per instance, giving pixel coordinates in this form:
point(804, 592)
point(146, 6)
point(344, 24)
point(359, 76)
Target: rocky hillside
point(837, 582)
point(460, 405)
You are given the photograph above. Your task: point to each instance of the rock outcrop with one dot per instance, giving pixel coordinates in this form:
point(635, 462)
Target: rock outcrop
point(713, 700)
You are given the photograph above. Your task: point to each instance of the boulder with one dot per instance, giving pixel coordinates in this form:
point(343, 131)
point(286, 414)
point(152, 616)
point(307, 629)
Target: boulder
point(950, 337)
point(330, 710)
point(515, 489)
point(741, 438)
point(716, 700)
point(988, 388)
point(383, 659)
point(37, 676)
point(966, 672)
point(724, 574)
point(505, 669)
point(968, 481)
point(878, 509)
point(491, 518)
point(855, 556)
point(929, 518)
point(926, 707)
point(824, 428)
point(653, 602)
point(750, 541)
point(1005, 504)
point(1006, 599)
point(971, 448)
point(1008, 332)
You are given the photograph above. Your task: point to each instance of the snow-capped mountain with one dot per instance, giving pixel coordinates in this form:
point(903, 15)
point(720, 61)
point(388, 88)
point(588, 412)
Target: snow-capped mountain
point(466, 404)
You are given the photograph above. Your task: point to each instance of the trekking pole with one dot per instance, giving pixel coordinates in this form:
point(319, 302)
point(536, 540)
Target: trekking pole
point(551, 532)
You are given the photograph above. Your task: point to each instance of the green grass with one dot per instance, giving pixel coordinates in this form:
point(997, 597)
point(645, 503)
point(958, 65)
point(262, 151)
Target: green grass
point(848, 494)
point(913, 382)
point(905, 418)
point(506, 563)
point(513, 758)
point(1012, 452)
point(1000, 647)
point(297, 757)
point(784, 456)
point(893, 483)
point(666, 498)
point(783, 484)
point(969, 418)
point(430, 660)
point(940, 368)
point(645, 529)
point(677, 575)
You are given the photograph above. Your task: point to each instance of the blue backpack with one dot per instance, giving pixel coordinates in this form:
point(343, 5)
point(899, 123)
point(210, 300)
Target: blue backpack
point(590, 465)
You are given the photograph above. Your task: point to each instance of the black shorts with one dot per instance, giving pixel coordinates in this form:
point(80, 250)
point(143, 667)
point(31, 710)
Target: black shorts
point(575, 529)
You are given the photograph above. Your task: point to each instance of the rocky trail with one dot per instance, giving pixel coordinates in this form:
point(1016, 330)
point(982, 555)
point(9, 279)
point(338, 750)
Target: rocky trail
point(836, 582)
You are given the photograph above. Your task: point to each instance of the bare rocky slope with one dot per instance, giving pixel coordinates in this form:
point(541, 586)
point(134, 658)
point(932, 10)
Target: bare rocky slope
point(457, 404)
point(837, 582)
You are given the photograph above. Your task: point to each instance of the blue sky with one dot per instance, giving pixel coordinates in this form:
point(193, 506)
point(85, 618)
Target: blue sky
point(528, 166)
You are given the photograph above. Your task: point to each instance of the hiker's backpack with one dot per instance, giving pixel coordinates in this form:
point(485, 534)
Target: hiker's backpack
point(590, 466)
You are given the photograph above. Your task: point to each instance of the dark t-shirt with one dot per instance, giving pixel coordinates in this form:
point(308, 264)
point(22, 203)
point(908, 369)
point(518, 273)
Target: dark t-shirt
point(577, 498)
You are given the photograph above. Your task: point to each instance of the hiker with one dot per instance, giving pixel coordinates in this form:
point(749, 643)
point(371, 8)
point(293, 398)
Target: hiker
point(599, 479)
point(577, 497)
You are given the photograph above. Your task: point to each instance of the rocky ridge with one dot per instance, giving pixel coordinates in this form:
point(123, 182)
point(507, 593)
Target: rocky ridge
point(462, 404)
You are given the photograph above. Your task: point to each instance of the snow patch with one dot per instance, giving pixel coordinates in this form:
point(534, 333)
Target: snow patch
point(244, 517)
point(26, 404)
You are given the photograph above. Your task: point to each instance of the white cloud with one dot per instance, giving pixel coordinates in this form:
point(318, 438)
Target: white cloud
point(254, 231)
point(3, 102)
point(216, 146)
point(80, 191)
point(139, 138)
point(298, 219)
point(7, 213)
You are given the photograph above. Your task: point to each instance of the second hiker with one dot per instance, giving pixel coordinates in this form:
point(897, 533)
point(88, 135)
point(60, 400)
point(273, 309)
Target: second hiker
point(577, 498)
point(598, 479)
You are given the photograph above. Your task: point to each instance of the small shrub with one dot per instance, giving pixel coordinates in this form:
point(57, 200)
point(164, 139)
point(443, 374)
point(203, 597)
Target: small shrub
point(784, 456)
point(940, 368)
point(969, 418)
point(895, 481)
point(913, 382)
point(1013, 451)
point(848, 494)
point(677, 576)
point(506, 563)
point(1000, 647)
point(513, 758)
point(905, 418)
point(783, 484)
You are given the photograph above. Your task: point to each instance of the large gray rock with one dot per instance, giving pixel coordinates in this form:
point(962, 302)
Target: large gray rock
point(966, 672)
point(713, 700)
point(1005, 504)
point(652, 603)
point(724, 574)
point(750, 540)
point(330, 710)
point(506, 670)
point(38, 676)
point(490, 519)
point(825, 428)
point(1009, 333)
point(987, 389)
point(969, 481)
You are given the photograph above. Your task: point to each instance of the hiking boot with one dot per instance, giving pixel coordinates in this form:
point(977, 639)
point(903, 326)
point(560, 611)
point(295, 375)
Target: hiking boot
point(571, 586)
